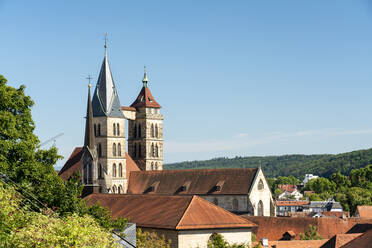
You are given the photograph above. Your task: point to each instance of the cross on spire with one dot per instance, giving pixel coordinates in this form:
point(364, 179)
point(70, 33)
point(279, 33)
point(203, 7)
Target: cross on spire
point(105, 41)
point(89, 80)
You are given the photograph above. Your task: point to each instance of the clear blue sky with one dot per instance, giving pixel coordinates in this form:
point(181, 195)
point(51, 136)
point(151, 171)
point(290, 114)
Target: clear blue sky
point(233, 77)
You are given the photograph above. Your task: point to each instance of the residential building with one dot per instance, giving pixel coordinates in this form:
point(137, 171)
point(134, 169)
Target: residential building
point(285, 208)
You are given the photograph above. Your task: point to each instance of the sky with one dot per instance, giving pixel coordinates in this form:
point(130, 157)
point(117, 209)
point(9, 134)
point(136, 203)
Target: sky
point(234, 78)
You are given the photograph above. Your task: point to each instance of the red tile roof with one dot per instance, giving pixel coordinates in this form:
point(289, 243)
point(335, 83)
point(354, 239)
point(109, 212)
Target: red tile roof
point(204, 181)
point(128, 108)
point(296, 243)
point(364, 211)
point(291, 203)
point(364, 240)
point(273, 228)
point(73, 164)
point(145, 99)
point(287, 187)
point(340, 239)
point(169, 212)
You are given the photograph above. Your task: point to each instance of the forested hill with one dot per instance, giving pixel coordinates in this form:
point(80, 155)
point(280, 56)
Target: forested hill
point(286, 165)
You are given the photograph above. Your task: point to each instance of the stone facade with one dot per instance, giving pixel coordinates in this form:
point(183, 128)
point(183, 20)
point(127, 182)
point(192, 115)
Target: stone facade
point(145, 138)
point(111, 147)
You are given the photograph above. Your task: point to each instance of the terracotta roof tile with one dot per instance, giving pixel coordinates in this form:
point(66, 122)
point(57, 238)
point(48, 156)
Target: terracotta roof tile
point(296, 243)
point(73, 164)
point(364, 240)
point(364, 211)
point(145, 99)
point(287, 187)
point(169, 212)
point(128, 108)
point(273, 228)
point(291, 203)
point(340, 239)
point(205, 181)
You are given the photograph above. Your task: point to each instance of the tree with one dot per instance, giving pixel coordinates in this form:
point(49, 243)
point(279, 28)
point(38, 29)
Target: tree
point(310, 234)
point(20, 226)
point(151, 240)
point(321, 185)
point(31, 169)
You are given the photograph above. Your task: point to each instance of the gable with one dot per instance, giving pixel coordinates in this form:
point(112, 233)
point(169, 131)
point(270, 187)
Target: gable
point(199, 182)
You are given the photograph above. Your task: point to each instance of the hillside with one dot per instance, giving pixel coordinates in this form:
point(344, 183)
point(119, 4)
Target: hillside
point(286, 165)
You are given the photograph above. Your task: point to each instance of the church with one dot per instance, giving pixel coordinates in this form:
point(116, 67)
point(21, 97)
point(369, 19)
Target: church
point(112, 163)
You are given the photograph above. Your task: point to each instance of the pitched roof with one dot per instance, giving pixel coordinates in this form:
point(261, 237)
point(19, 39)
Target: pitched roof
point(205, 181)
point(291, 203)
point(89, 133)
point(128, 108)
point(287, 187)
point(340, 239)
point(73, 164)
point(145, 99)
point(295, 243)
point(105, 99)
point(169, 212)
point(364, 240)
point(364, 211)
point(273, 228)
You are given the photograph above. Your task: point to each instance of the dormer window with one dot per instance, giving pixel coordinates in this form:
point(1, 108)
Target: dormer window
point(153, 187)
point(217, 188)
point(150, 100)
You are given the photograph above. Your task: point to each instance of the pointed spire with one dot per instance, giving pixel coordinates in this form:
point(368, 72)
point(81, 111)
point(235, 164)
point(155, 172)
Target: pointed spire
point(89, 132)
point(105, 99)
point(144, 80)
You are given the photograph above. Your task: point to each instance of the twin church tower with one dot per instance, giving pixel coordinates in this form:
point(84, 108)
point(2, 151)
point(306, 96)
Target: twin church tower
point(105, 160)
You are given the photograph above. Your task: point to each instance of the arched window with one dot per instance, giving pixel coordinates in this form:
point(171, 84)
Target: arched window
point(152, 131)
point(139, 131)
point(260, 209)
point(260, 185)
point(114, 149)
point(235, 204)
point(135, 131)
point(120, 189)
point(152, 165)
point(156, 131)
point(100, 174)
point(119, 149)
point(114, 128)
point(120, 170)
point(215, 201)
point(139, 150)
point(99, 150)
point(99, 129)
point(135, 150)
point(114, 170)
point(152, 150)
point(156, 151)
point(118, 129)
point(156, 165)
point(114, 189)
point(95, 130)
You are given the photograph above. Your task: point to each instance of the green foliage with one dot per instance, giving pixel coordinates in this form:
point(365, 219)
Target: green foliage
point(310, 234)
point(288, 165)
point(217, 241)
point(31, 168)
point(20, 227)
point(321, 185)
point(273, 183)
point(151, 240)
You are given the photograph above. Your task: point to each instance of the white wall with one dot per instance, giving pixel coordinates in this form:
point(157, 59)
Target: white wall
point(260, 195)
point(199, 238)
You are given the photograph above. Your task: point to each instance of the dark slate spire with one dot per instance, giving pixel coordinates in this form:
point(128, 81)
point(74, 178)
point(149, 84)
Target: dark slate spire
point(89, 132)
point(105, 99)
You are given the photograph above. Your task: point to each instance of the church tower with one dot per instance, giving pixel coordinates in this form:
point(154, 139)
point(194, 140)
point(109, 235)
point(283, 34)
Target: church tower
point(145, 134)
point(109, 130)
point(89, 157)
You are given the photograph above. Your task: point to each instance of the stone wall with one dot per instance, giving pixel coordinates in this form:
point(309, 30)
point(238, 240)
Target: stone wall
point(228, 202)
